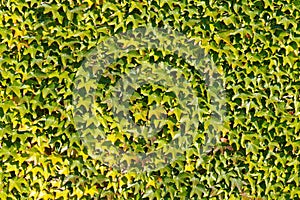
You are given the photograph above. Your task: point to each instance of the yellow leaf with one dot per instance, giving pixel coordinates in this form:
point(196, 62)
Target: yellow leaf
point(23, 128)
point(189, 168)
point(151, 183)
point(63, 194)
point(91, 191)
point(90, 3)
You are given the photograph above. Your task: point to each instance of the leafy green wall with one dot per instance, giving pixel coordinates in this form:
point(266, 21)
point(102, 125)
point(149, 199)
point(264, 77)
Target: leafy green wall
point(42, 44)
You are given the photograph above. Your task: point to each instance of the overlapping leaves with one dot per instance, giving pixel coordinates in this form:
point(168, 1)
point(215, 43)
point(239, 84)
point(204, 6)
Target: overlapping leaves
point(254, 43)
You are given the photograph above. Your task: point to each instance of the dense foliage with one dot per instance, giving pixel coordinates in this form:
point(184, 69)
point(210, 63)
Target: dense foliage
point(255, 46)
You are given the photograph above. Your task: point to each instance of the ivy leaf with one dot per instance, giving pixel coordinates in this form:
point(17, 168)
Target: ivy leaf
point(7, 105)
